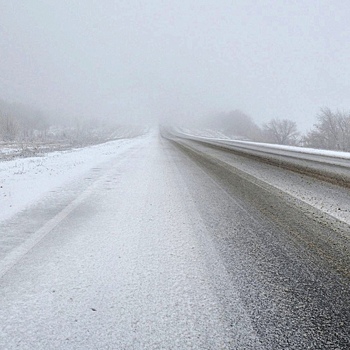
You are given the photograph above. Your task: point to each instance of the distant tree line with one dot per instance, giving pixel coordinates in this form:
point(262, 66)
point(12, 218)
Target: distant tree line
point(235, 124)
point(331, 130)
point(19, 122)
point(24, 124)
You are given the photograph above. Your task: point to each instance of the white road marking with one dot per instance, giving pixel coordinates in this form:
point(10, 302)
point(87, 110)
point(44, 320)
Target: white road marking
point(18, 253)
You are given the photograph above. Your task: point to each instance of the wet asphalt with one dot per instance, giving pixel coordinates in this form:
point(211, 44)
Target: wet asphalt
point(172, 246)
point(290, 263)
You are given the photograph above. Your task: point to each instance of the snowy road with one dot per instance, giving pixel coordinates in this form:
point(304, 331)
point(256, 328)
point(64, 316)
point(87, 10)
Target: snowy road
point(159, 247)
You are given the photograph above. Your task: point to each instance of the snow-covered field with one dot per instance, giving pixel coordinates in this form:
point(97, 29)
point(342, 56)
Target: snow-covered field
point(56, 142)
point(24, 181)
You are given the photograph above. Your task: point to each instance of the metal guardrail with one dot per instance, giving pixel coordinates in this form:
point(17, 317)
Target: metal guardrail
point(328, 165)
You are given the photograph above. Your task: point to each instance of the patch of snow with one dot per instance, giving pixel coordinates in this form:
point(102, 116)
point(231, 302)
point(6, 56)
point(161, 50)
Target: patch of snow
point(24, 181)
point(209, 133)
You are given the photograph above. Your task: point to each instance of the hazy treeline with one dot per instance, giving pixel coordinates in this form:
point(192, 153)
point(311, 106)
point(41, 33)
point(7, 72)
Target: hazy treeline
point(20, 122)
point(234, 124)
point(331, 130)
point(25, 124)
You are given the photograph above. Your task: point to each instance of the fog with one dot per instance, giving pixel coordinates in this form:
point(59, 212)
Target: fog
point(150, 61)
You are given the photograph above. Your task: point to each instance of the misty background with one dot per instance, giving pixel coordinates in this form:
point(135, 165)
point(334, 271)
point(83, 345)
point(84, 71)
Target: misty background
point(183, 62)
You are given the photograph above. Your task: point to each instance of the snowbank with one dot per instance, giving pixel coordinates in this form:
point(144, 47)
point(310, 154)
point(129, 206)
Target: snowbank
point(24, 181)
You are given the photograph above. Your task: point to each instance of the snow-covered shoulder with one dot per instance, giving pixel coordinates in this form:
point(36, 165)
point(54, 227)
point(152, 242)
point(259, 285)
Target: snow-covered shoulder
point(24, 181)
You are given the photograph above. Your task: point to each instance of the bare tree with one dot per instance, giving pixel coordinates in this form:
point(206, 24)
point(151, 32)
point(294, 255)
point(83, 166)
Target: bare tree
point(9, 128)
point(281, 131)
point(19, 122)
point(332, 131)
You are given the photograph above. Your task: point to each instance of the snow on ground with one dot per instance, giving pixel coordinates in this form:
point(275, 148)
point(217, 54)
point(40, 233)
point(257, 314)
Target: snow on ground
point(24, 181)
point(22, 149)
point(205, 133)
point(133, 268)
point(328, 198)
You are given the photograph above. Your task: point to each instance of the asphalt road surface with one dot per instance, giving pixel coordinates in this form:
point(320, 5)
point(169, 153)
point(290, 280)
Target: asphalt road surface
point(177, 246)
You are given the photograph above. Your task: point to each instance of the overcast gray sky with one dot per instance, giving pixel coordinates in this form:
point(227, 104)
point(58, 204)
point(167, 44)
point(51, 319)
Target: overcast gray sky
point(144, 59)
